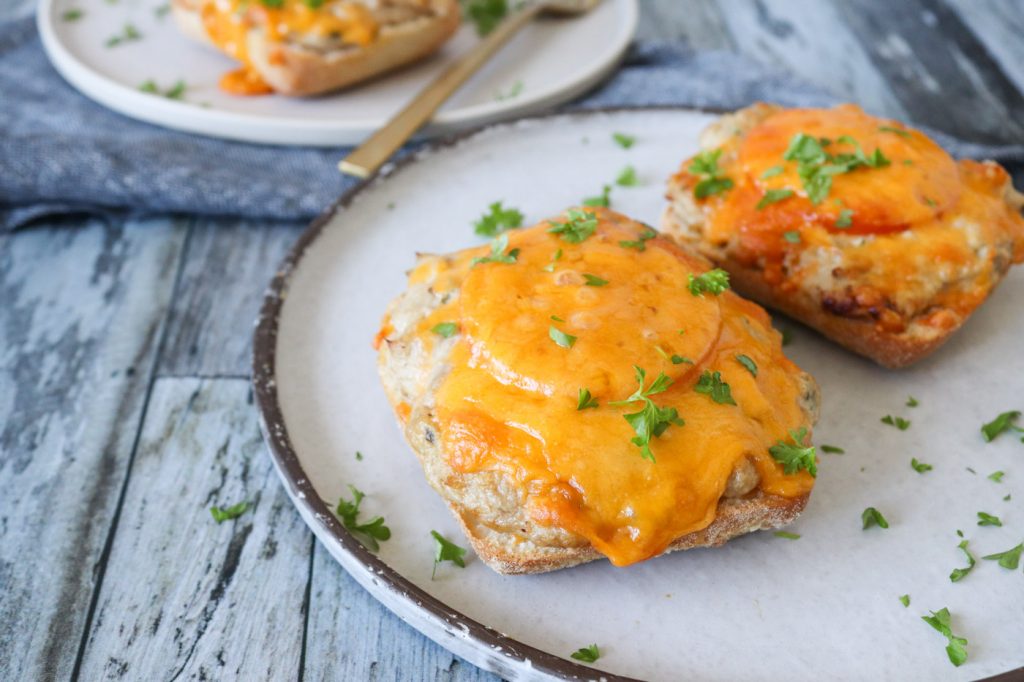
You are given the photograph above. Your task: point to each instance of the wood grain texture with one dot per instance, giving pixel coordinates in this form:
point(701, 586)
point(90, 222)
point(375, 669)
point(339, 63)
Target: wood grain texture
point(79, 329)
point(185, 597)
point(811, 40)
point(227, 267)
point(940, 71)
point(999, 25)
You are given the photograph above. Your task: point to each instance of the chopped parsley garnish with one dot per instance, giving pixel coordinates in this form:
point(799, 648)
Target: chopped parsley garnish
point(627, 178)
point(367, 533)
point(792, 236)
point(899, 131)
point(603, 199)
point(221, 514)
point(641, 243)
point(1009, 559)
point(787, 535)
point(713, 281)
point(498, 246)
point(128, 34)
point(711, 384)
point(679, 359)
point(561, 338)
point(912, 401)
point(445, 329)
point(577, 227)
point(594, 280)
point(899, 422)
point(748, 363)
point(845, 219)
point(651, 420)
point(623, 140)
point(585, 400)
point(959, 574)
point(905, 600)
point(773, 196)
point(1007, 498)
point(795, 456)
point(359, 456)
point(73, 14)
point(445, 550)
point(771, 172)
point(957, 647)
point(1003, 422)
point(556, 318)
point(833, 450)
point(997, 476)
point(705, 166)
point(550, 267)
point(873, 517)
point(920, 467)
point(816, 167)
point(485, 14)
point(985, 519)
point(497, 220)
point(513, 91)
point(587, 654)
point(931, 202)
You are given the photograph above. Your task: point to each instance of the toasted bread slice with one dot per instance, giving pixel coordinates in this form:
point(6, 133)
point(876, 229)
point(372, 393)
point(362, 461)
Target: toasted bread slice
point(489, 503)
point(309, 64)
point(893, 287)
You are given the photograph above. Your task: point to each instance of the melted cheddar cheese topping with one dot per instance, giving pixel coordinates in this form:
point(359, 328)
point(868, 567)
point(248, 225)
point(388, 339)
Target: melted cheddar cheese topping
point(921, 235)
point(509, 402)
point(229, 22)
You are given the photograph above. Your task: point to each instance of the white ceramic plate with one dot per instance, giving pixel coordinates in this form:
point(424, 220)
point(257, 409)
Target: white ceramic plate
point(549, 62)
point(825, 606)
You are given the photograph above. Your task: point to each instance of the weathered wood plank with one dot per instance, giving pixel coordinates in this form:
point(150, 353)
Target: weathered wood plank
point(811, 40)
point(702, 27)
point(942, 74)
point(999, 25)
point(183, 596)
point(83, 307)
point(228, 265)
point(352, 637)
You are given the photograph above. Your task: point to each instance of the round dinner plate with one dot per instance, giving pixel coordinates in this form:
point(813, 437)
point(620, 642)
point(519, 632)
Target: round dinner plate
point(824, 606)
point(551, 61)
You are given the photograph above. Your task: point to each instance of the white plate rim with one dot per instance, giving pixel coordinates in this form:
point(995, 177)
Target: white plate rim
point(263, 129)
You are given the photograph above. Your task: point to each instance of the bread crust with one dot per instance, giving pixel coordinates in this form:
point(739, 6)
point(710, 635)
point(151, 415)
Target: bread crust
point(298, 71)
point(684, 218)
point(489, 508)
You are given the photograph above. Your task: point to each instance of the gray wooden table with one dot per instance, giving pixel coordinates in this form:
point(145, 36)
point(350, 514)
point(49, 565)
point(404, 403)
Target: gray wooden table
point(126, 412)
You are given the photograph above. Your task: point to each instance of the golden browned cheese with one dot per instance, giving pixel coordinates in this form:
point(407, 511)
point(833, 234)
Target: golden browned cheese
point(227, 23)
point(921, 190)
point(509, 402)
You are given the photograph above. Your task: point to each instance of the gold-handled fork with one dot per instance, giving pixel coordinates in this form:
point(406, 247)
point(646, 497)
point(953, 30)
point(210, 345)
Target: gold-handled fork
point(378, 148)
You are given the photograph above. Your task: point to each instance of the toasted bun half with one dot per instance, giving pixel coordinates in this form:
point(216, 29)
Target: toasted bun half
point(298, 70)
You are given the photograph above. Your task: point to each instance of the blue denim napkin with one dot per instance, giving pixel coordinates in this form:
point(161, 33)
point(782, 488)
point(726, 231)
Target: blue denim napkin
point(61, 153)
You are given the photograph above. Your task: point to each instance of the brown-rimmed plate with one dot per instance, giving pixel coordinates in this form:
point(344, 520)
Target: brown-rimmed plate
point(762, 607)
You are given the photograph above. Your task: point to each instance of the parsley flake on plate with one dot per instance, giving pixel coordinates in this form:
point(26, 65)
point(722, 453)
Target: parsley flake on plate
point(577, 227)
point(513, 91)
point(445, 329)
point(705, 166)
point(485, 14)
point(561, 338)
point(899, 422)
point(627, 177)
point(795, 456)
point(1009, 559)
point(651, 420)
point(957, 647)
point(367, 533)
point(623, 140)
point(585, 400)
point(128, 34)
point(920, 467)
point(498, 219)
point(498, 255)
point(912, 401)
point(587, 654)
point(445, 550)
point(639, 244)
point(594, 280)
point(713, 281)
point(787, 535)
point(997, 476)
point(833, 450)
point(986, 519)
point(748, 363)
point(872, 517)
point(711, 384)
point(359, 456)
point(73, 14)
point(1003, 422)
point(222, 514)
point(959, 574)
point(603, 199)
point(905, 600)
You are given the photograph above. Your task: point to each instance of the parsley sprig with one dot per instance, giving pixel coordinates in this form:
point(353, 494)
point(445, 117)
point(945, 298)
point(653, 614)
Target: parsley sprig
point(1003, 422)
point(498, 219)
point(816, 167)
point(1009, 559)
point(498, 254)
point(367, 533)
point(959, 574)
point(957, 647)
point(713, 181)
point(577, 227)
point(711, 384)
point(445, 550)
point(713, 281)
point(222, 514)
point(128, 34)
point(651, 420)
point(795, 456)
point(587, 654)
point(602, 199)
point(485, 14)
